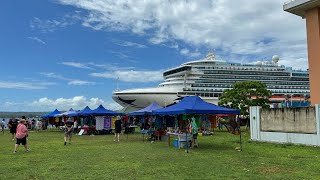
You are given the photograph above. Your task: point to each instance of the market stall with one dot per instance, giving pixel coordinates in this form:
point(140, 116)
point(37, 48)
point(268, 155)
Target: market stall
point(145, 114)
point(193, 105)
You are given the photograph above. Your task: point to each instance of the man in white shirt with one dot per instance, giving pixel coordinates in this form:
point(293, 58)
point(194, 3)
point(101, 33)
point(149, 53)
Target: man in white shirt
point(75, 126)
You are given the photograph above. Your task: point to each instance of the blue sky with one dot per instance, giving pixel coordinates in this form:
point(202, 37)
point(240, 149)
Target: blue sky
point(70, 53)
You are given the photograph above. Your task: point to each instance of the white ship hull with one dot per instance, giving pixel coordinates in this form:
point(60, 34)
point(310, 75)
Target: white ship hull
point(140, 98)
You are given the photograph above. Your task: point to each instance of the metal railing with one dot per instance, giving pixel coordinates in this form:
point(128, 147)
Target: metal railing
point(287, 2)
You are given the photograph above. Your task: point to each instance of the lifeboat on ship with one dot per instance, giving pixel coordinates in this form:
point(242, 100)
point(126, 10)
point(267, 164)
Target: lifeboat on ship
point(277, 98)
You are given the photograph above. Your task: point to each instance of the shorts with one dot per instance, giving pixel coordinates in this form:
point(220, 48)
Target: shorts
point(13, 130)
point(22, 141)
point(195, 136)
point(118, 130)
point(68, 134)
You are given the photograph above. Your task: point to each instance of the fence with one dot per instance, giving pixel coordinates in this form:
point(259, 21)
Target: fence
point(288, 125)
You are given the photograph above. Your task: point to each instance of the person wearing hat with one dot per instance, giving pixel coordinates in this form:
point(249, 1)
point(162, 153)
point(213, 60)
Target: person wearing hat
point(21, 135)
point(68, 131)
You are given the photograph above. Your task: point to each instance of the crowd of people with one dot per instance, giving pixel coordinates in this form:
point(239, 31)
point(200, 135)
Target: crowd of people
point(19, 129)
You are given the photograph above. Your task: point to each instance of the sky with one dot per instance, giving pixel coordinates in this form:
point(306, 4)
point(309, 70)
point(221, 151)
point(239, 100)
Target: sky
point(73, 53)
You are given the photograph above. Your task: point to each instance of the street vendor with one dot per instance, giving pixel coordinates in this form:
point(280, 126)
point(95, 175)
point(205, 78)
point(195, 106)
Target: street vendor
point(194, 130)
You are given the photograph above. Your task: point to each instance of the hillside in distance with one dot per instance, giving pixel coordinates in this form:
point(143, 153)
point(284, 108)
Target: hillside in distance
point(20, 114)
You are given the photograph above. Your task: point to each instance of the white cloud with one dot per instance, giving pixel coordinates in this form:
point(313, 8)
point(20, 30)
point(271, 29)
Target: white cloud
point(110, 67)
point(37, 40)
point(54, 75)
point(77, 102)
point(121, 55)
point(76, 65)
point(63, 104)
point(128, 44)
point(186, 52)
point(80, 83)
point(74, 82)
point(46, 26)
point(241, 28)
point(131, 75)
point(24, 85)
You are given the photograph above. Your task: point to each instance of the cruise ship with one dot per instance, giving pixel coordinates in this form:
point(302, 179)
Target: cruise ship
point(209, 77)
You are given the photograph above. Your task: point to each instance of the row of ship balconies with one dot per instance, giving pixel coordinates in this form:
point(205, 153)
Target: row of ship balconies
point(278, 91)
point(228, 81)
point(233, 79)
point(288, 74)
point(257, 78)
point(281, 83)
point(246, 67)
point(241, 68)
point(231, 86)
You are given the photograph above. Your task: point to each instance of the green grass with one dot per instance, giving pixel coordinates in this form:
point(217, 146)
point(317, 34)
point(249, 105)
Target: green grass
point(98, 157)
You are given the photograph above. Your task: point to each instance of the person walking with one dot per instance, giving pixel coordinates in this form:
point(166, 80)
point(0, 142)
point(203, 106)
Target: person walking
point(118, 129)
point(21, 136)
point(13, 127)
point(39, 125)
point(68, 131)
point(75, 126)
point(2, 126)
point(33, 124)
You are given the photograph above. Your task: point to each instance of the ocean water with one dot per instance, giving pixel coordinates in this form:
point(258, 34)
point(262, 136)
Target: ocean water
point(6, 120)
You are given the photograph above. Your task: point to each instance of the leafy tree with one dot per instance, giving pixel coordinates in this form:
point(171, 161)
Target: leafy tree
point(245, 94)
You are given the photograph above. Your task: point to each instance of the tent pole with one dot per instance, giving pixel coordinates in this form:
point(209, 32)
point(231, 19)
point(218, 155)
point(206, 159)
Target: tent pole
point(127, 131)
point(186, 137)
point(187, 141)
point(240, 141)
point(239, 132)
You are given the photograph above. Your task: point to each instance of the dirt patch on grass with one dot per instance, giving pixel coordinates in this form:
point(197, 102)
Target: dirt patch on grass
point(272, 170)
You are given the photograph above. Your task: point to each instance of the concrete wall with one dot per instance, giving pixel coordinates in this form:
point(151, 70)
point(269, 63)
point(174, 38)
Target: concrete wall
point(292, 120)
point(307, 134)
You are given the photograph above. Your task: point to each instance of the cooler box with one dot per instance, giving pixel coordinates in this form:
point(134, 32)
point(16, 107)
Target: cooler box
point(183, 145)
point(176, 143)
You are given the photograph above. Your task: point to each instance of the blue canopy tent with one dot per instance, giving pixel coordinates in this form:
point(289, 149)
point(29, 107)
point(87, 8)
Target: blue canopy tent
point(101, 111)
point(67, 113)
point(85, 112)
point(194, 105)
point(55, 112)
point(74, 114)
point(147, 110)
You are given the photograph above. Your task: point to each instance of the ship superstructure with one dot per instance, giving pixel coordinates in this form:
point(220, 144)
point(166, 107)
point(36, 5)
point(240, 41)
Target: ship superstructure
point(209, 77)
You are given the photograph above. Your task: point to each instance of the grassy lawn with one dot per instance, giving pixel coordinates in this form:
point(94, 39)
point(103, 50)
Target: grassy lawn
point(98, 157)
